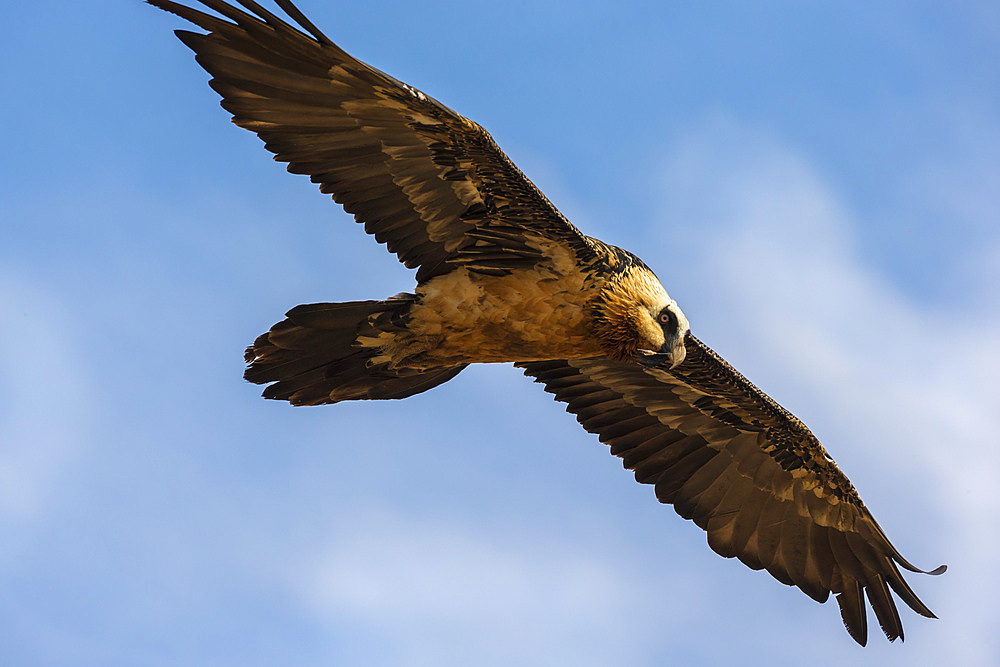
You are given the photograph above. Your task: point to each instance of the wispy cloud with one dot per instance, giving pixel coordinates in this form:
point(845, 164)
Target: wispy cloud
point(900, 387)
point(443, 591)
point(45, 414)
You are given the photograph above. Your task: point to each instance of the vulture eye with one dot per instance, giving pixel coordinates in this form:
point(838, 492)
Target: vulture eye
point(667, 318)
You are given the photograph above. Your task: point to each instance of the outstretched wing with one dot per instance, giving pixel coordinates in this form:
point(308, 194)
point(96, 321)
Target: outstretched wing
point(429, 183)
point(743, 469)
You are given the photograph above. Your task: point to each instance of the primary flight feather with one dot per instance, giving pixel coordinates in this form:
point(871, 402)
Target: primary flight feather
point(502, 276)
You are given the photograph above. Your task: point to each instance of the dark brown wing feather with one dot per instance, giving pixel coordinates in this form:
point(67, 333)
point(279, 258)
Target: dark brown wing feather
point(429, 183)
point(745, 470)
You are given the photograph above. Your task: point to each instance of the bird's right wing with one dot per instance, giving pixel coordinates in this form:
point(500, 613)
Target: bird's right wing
point(743, 469)
point(429, 183)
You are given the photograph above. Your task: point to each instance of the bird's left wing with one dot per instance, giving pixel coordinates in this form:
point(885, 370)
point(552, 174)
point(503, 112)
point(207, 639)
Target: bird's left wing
point(429, 183)
point(743, 469)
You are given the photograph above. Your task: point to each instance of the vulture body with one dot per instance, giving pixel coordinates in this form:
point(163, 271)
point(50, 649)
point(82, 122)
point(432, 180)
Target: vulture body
point(502, 276)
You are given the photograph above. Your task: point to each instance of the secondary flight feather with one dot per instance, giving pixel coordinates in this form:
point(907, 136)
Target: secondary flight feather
point(502, 276)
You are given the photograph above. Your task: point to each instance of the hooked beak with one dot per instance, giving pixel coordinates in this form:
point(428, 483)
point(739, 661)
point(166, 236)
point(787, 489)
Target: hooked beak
point(672, 353)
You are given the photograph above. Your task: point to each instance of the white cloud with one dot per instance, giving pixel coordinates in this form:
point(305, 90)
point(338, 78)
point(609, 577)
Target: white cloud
point(903, 387)
point(45, 411)
point(447, 592)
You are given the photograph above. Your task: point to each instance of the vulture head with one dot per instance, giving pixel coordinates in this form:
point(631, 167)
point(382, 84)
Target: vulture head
point(636, 319)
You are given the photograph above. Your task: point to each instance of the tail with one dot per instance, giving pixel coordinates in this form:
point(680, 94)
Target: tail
point(312, 356)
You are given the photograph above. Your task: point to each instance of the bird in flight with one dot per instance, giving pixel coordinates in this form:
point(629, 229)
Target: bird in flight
point(502, 276)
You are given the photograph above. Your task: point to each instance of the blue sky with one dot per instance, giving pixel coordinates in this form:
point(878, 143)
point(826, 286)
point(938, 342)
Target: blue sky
point(817, 186)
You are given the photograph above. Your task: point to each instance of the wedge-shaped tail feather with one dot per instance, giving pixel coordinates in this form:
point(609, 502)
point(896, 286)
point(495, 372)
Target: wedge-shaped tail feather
point(314, 356)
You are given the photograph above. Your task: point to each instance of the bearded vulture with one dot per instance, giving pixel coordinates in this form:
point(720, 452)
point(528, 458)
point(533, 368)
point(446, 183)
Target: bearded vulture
point(502, 276)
